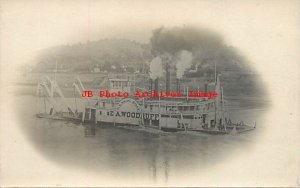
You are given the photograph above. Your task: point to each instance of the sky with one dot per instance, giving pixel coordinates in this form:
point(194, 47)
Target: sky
point(252, 26)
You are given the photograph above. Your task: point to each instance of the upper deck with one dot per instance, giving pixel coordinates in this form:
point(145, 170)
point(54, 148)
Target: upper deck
point(164, 106)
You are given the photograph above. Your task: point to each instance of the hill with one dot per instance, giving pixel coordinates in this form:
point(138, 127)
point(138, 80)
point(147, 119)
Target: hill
point(105, 55)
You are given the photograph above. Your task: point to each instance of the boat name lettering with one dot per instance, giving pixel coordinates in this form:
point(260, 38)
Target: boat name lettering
point(133, 115)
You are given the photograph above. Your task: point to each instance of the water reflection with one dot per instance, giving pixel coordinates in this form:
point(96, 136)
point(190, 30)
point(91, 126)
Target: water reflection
point(127, 153)
point(90, 131)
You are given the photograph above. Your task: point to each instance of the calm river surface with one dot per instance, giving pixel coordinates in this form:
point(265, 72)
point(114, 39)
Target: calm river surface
point(120, 152)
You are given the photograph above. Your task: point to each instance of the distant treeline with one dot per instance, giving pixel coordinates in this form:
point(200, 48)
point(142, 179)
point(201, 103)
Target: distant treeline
point(121, 55)
point(111, 55)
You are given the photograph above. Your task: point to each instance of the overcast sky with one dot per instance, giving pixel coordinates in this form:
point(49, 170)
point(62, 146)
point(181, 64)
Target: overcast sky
point(252, 26)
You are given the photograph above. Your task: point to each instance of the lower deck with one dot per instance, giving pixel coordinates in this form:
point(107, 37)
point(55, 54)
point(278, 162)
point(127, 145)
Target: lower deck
point(171, 121)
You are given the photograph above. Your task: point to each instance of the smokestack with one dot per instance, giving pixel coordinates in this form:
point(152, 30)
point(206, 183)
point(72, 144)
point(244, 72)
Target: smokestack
point(150, 84)
point(156, 84)
point(177, 85)
point(167, 78)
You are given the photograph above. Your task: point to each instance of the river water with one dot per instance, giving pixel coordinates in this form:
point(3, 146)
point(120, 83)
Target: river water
point(126, 153)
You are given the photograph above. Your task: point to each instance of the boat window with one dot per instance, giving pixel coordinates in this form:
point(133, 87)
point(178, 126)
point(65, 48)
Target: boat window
point(103, 104)
point(180, 108)
point(185, 108)
point(192, 108)
point(151, 107)
point(100, 112)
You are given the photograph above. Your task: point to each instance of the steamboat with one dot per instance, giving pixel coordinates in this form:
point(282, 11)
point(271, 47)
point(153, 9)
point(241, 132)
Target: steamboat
point(165, 114)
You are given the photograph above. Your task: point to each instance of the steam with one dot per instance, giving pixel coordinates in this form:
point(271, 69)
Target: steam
point(156, 68)
point(184, 62)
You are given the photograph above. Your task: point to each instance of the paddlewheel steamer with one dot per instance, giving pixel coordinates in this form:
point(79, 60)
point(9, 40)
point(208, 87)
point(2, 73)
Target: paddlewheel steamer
point(167, 114)
point(181, 113)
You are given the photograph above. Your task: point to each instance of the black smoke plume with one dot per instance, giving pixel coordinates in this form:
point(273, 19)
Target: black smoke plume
point(206, 46)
